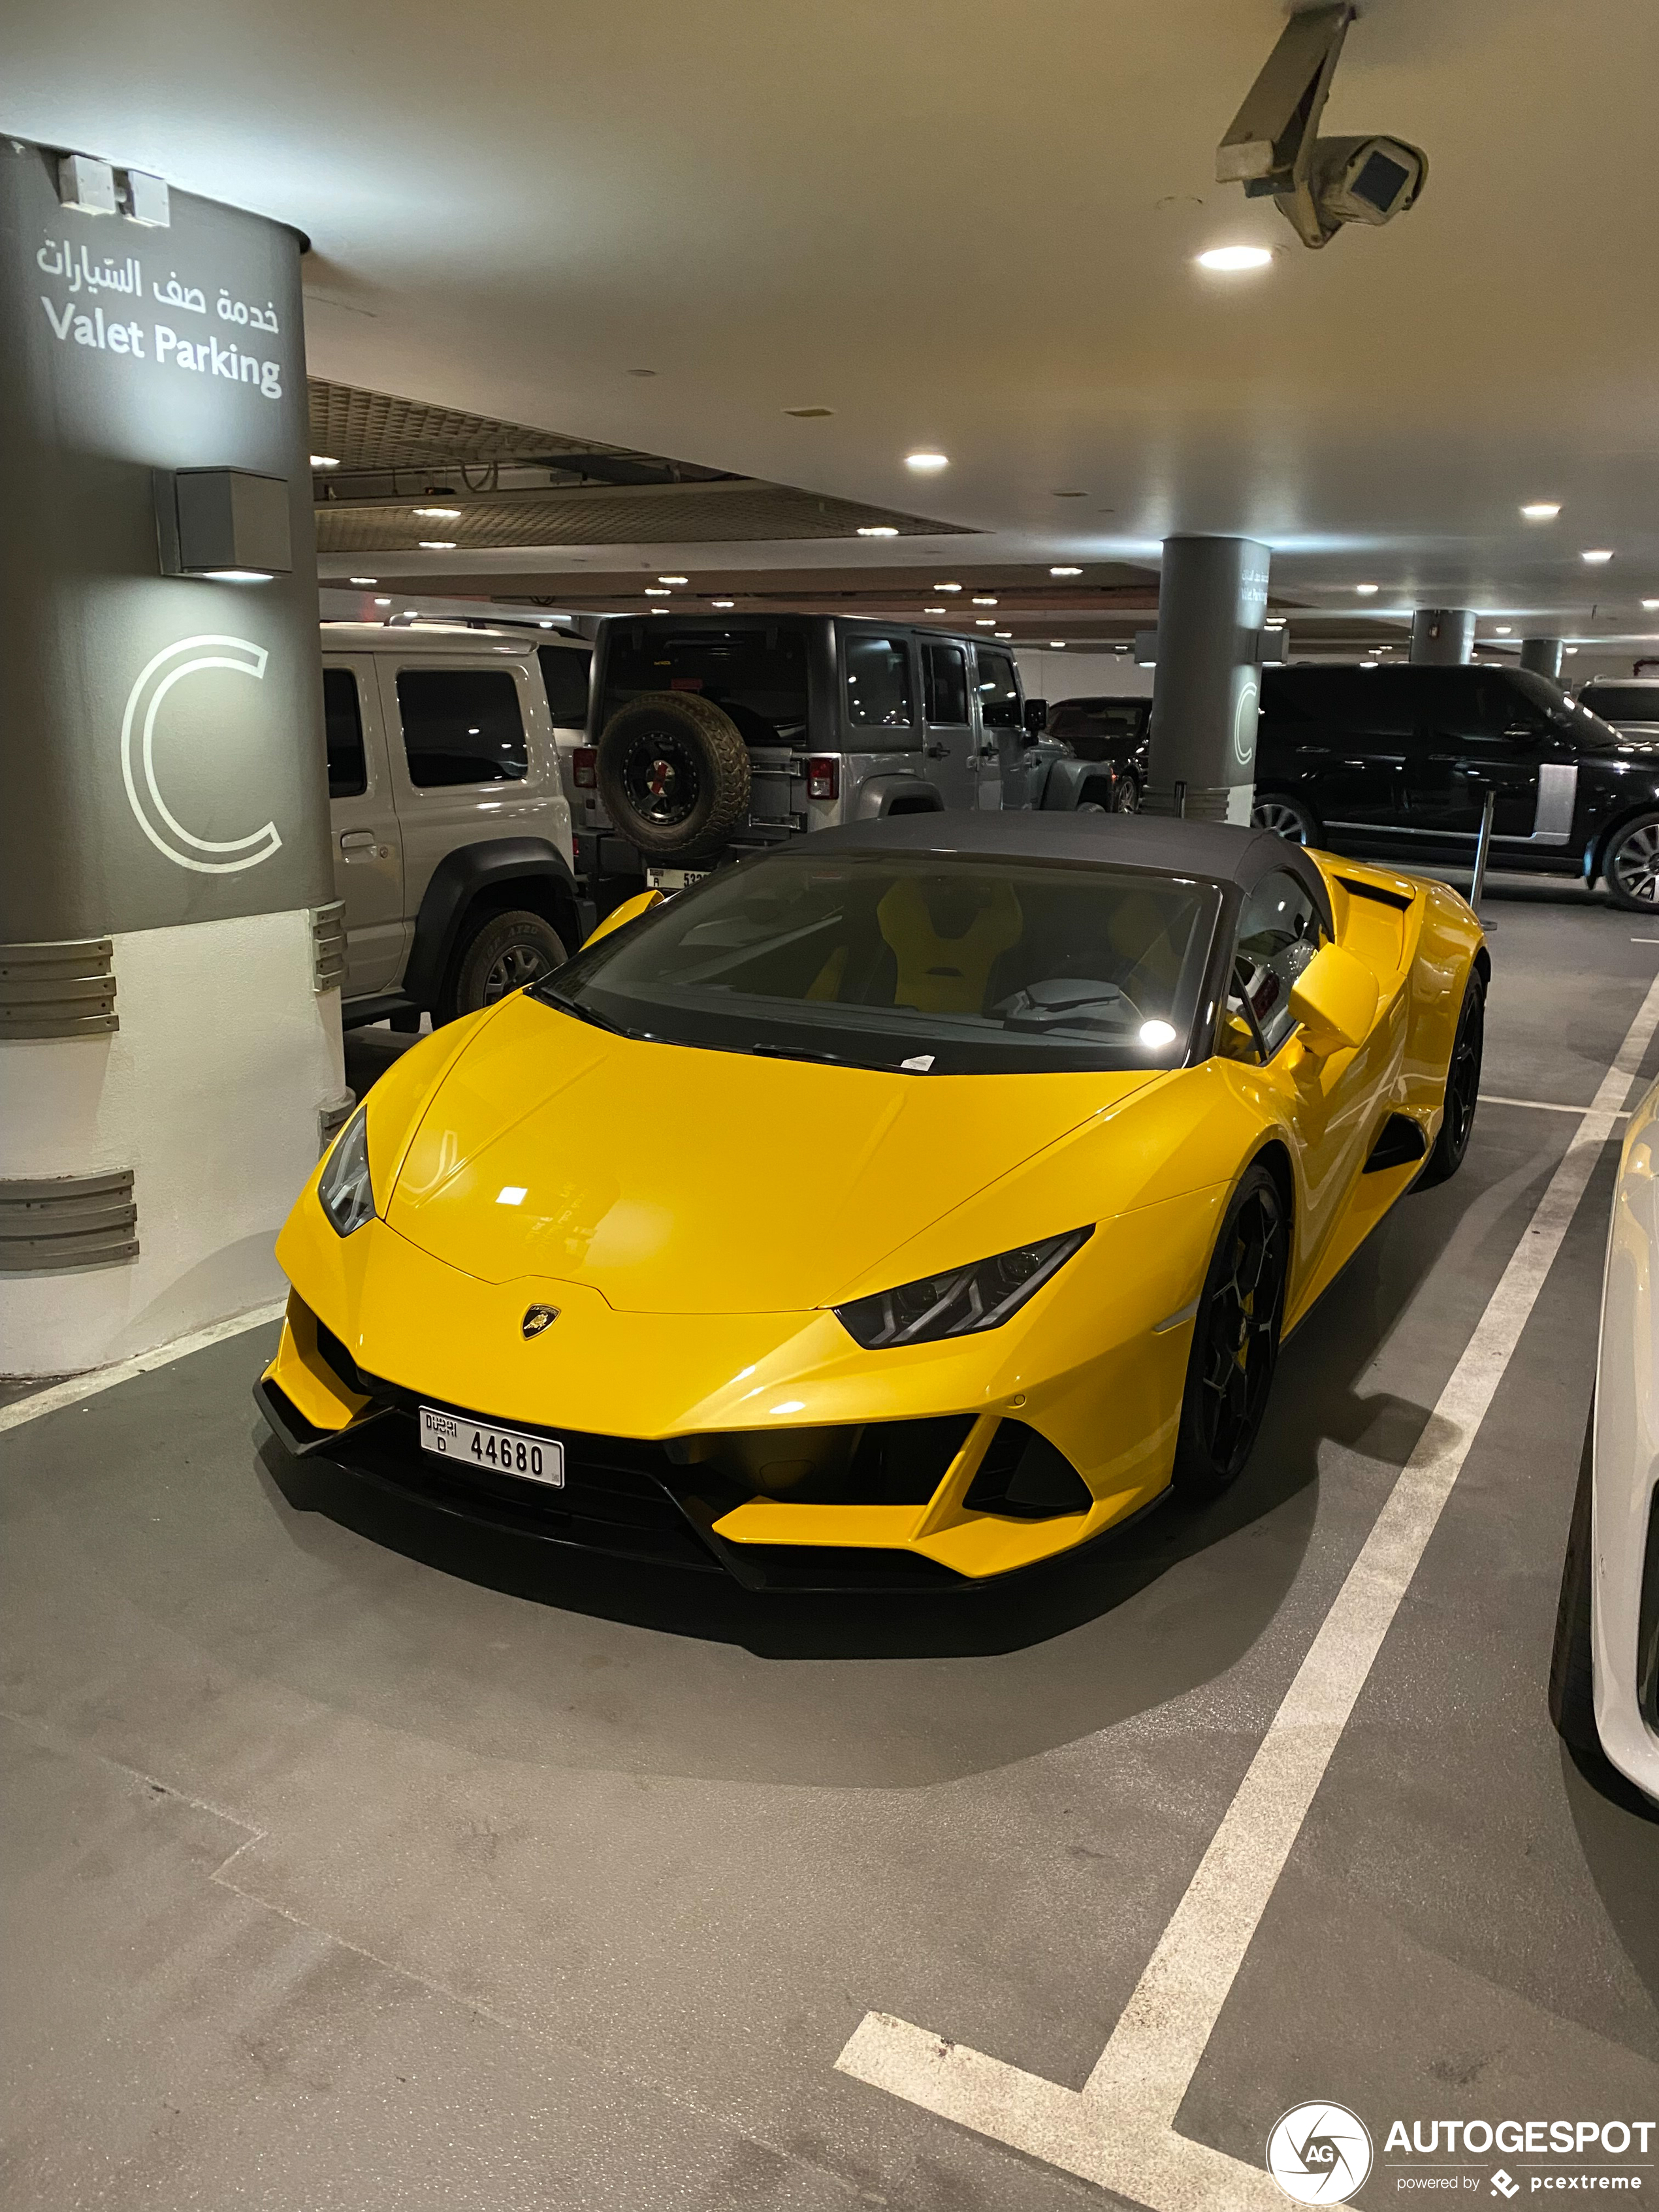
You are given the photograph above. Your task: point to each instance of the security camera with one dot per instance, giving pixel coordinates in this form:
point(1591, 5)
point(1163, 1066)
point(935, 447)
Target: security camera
point(1273, 150)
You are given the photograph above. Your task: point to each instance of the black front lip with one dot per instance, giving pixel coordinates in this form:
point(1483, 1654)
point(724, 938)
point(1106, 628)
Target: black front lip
point(671, 1523)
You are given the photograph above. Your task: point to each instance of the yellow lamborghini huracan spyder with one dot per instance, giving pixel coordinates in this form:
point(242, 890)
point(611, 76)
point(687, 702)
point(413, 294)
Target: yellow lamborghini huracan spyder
point(901, 1206)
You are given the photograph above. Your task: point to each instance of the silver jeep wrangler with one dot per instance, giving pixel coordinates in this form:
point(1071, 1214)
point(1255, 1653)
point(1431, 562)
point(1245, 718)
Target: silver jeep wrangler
point(712, 734)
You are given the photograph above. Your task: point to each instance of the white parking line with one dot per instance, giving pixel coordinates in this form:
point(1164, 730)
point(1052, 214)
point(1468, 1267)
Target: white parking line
point(1537, 1105)
point(1119, 2129)
point(105, 1378)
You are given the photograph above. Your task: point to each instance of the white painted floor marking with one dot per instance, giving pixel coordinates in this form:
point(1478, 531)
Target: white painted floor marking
point(1537, 1105)
point(105, 1378)
point(1119, 2129)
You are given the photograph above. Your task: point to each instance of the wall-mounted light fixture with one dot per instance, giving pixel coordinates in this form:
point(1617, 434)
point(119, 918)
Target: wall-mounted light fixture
point(95, 187)
point(228, 524)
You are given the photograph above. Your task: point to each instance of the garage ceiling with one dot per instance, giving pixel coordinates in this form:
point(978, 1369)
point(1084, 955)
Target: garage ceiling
point(959, 223)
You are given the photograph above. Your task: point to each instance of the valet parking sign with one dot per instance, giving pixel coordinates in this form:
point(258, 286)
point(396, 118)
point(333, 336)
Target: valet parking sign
point(1321, 2154)
point(93, 305)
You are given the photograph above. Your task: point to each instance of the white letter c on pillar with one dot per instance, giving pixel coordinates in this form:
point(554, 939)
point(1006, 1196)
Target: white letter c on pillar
point(159, 824)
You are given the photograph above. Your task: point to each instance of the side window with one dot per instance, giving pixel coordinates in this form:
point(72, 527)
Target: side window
point(878, 682)
point(461, 726)
point(944, 680)
point(1279, 934)
point(348, 769)
point(999, 691)
point(564, 678)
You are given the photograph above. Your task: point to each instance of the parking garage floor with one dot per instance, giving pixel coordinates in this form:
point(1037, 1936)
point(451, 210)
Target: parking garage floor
point(354, 1862)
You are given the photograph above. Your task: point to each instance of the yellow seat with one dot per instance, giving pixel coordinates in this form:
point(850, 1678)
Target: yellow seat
point(946, 938)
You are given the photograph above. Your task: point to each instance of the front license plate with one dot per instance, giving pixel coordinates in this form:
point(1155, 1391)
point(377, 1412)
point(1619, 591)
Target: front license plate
point(504, 1452)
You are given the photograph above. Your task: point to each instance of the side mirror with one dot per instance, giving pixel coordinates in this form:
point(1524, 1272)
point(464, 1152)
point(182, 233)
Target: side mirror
point(620, 916)
point(1335, 999)
point(1037, 716)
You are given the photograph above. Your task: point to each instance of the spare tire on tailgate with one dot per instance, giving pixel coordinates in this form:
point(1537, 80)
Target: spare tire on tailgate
point(674, 774)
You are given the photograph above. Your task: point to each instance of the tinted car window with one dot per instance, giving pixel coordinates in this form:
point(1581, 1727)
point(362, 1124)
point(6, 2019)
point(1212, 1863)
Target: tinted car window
point(564, 678)
point(1278, 935)
point(1466, 702)
point(1622, 703)
point(878, 682)
point(348, 769)
point(756, 675)
point(1379, 702)
point(999, 691)
point(461, 726)
point(945, 682)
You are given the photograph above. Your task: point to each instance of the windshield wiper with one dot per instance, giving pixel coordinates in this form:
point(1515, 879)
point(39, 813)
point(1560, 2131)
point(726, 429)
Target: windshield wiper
point(805, 1052)
point(581, 1013)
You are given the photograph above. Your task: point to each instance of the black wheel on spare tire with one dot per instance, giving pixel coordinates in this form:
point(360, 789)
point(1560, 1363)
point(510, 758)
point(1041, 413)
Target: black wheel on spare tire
point(673, 774)
point(1572, 1680)
point(497, 955)
point(1287, 818)
point(1631, 864)
point(1235, 1349)
point(1462, 1088)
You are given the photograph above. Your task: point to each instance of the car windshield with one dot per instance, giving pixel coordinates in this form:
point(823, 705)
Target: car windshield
point(927, 962)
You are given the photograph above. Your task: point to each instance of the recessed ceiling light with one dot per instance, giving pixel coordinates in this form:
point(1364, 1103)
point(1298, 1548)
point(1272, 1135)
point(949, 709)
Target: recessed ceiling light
point(1543, 510)
point(324, 461)
point(945, 610)
point(439, 514)
point(1065, 572)
point(362, 579)
point(1003, 633)
point(1569, 648)
point(673, 580)
point(1368, 664)
point(1503, 630)
point(437, 545)
point(546, 624)
point(926, 463)
point(725, 603)
point(877, 530)
point(947, 587)
point(986, 622)
point(1236, 257)
point(981, 602)
point(1366, 591)
point(1058, 644)
point(1650, 604)
point(659, 610)
point(383, 603)
point(657, 592)
point(1597, 556)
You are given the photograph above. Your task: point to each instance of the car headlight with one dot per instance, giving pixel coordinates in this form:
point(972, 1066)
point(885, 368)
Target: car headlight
point(343, 1189)
point(962, 1301)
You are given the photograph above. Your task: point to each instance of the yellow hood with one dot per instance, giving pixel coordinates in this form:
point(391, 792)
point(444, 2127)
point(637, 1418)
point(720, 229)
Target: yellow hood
point(678, 1180)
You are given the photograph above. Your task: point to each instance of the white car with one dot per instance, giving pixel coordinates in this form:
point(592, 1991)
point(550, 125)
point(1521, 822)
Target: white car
point(1604, 1678)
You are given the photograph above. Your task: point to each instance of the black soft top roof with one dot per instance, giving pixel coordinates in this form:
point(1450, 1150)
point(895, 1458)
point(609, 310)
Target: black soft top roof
point(1160, 844)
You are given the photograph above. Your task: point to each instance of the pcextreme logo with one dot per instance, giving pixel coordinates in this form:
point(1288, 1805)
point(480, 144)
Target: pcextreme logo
point(1320, 2154)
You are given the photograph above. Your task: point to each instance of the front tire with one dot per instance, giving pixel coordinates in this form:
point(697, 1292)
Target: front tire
point(1287, 818)
point(1125, 799)
point(1229, 1370)
point(503, 953)
point(1462, 1088)
point(1630, 866)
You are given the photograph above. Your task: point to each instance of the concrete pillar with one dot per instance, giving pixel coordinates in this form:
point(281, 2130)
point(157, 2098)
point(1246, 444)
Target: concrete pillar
point(1206, 686)
point(1443, 635)
point(1542, 655)
point(168, 1035)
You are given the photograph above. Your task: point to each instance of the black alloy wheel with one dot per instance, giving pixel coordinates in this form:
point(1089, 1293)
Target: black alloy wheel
point(1286, 817)
point(1462, 1088)
point(1235, 1349)
point(502, 954)
point(661, 775)
point(1632, 865)
point(1126, 798)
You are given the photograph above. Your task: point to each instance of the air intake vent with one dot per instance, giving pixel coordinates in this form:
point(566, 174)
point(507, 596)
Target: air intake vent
point(60, 1223)
point(1399, 1145)
point(63, 990)
point(1023, 1478)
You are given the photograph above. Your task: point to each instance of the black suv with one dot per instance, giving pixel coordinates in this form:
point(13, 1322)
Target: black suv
point(1397, 762)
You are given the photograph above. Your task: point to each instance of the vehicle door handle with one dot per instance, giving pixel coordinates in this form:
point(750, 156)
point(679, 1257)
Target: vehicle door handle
point(937, 752)
point(356, 841)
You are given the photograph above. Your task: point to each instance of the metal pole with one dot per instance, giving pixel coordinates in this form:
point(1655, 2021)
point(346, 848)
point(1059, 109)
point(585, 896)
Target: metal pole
point(1181, 801)
point(1482, 845)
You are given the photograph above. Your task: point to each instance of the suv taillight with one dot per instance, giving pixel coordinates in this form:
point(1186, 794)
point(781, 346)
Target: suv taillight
point(823, 776)
point(584, 768)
